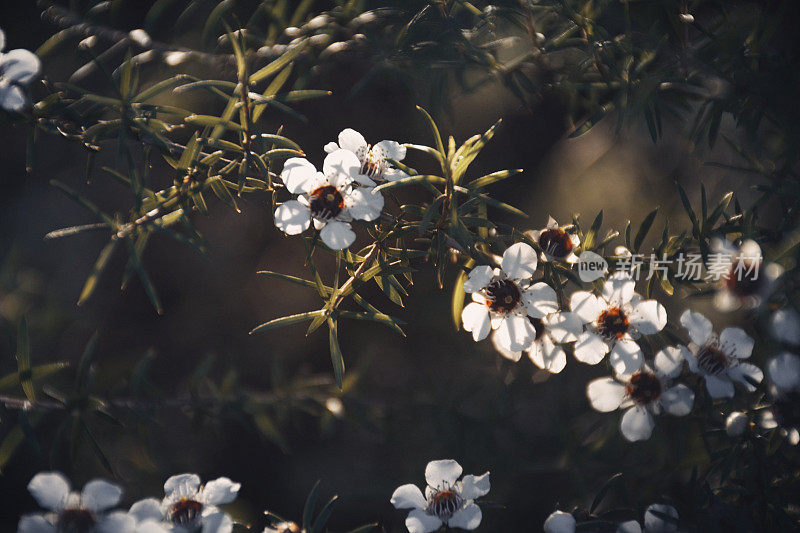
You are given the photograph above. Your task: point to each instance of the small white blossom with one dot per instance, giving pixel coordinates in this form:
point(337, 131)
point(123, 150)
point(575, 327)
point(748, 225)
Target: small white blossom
point(613, 320)
point(643, 394)
point(85, 511)
point(373, 159)
point(556, 244)
point(189, 506)
point(17, 68)
point(559, 522)
point(719, 359)
point(331, 198)
point(785, 325)
point(504, 300)
point(446, 501)
point(735, 424)
point(750, 280)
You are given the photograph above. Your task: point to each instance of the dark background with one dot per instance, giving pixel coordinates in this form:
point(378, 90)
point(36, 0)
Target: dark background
point(434, 394)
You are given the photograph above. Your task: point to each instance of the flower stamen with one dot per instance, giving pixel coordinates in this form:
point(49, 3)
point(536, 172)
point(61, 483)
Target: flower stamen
point(643, 388)
point(613, 323)
point(444, 503)
point(502, 295)
point(326, 202)
point(185, 512)
point(555, 242)
point(712, 360)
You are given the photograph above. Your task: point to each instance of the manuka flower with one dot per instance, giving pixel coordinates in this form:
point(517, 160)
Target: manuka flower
point(504, 299)
point(373, 159)
point(446, 501)
point(331, 198)
point(643, 394)
point(556, 243)
point(613, 320)
point(188, 506)
point(719, 359)
point(17, 68)
point(75, 512)
point(749, 280)
point(552, 330)
point(784, 412)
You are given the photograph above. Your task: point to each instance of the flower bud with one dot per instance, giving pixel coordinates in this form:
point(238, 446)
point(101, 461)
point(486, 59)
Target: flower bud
point(735, 424)
point(559, 522)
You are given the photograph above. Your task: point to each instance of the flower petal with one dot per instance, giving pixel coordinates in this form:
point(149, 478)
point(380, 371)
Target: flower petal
point(519, 261)
point(631, 526)
point(298, 173)
point(182, 485)
point(35, 523)
point(442, 473)
point(473, 487)
point(746, 373)
point(147, 509)
point(564, 326)
point(698, 326)
point(654, 523)
point(559, 522)
point(478, 278)
point(292, 217)
point(508, 354)
point(341, 164)
point(649, 317)
point(785, 325)
point(220, 491)
point(337, 235)
point(475, 317)
point(350, 139)
point(618, 288)
point(215, 521)
point(408, 497)
point(116, 522)
point(719, 387)
point(678, 400)
point(637, 424)
point(590, 348)
point(49, 489)
point(548, 356)
point(467, 518)
point(365, 204)
point(12, 98)
point(586, 305)
point(784, 371)
point(330, 147)
point(626, 357)
point(540, 300)
point(99, 495)
point(736, 343)
point(515, 332)
point(605, 394)
point(669, 362)
point(391, 150)
point(418, 521)
point(19, 66)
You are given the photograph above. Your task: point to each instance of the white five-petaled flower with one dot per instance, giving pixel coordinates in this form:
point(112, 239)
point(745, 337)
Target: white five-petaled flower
point(552, 330)
point(655, 520)
point(719, 359)
point(446, 501)
point(188, 506)
point(749, 280)
point(556, 243)
point(613, 320)
point(373, 159)
point(80, 512)
point(17, 68)
point(643, 394)
point(504, 299)
point(331, 198)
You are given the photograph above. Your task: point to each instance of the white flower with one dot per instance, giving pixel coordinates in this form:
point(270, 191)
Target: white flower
point(653, 523)
point(555, 242)
point(189, 506)
point(643, 394)
point(331, 198)
point(559, 522)
point(17, 68)
point(373, 159)
point(735, 424)
point(614, 319)
point(504, 300)
point(446, 501)
point(785, 325)
point(552, 330)
point(84, 511)
point(749, 282)
point(719, 359)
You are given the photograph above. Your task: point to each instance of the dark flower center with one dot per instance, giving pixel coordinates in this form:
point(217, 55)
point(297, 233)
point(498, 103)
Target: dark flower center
point(75, 520)
point(744, 279)
point(712, 360)
point(786, 409)
point(502, 295)
point(444, 503)
point(644, 387)
point(185, 512)
point(326, 202)
point(613, 323)
point(555, 242)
